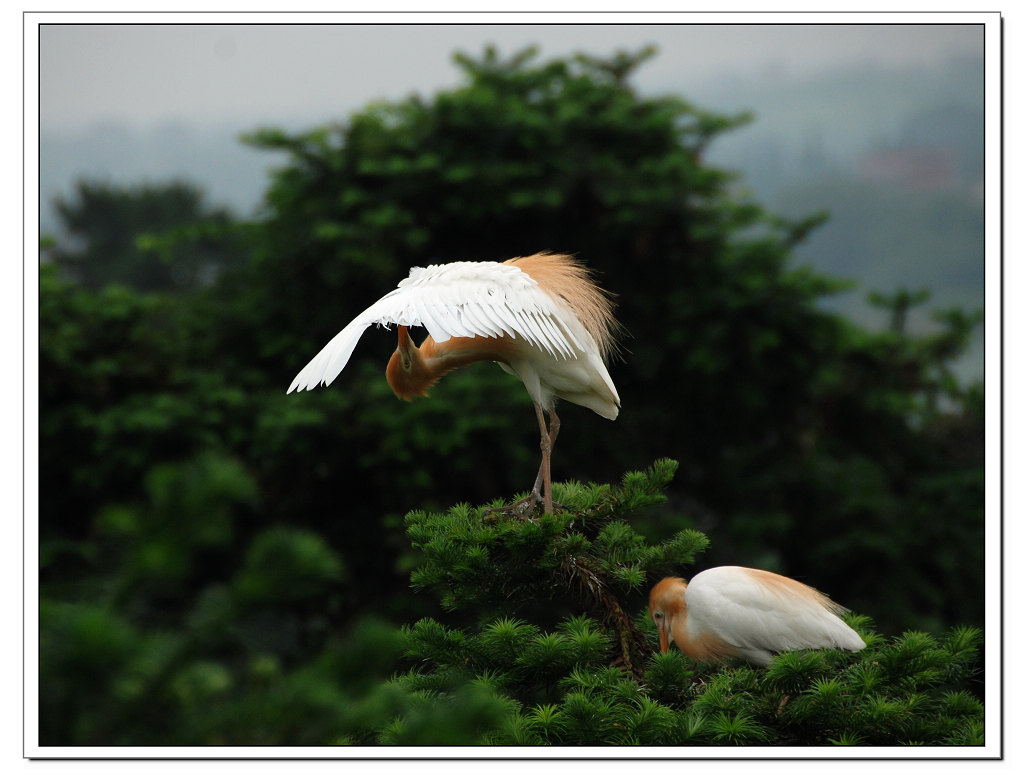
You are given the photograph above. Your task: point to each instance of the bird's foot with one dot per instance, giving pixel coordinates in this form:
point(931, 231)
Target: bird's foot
point(523, 509)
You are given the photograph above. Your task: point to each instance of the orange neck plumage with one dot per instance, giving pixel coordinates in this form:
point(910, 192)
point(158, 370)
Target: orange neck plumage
point(668, 598)
point(412, 370)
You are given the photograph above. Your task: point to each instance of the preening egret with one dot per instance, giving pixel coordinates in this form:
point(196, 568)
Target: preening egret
point(540, 317)
point(741, 612)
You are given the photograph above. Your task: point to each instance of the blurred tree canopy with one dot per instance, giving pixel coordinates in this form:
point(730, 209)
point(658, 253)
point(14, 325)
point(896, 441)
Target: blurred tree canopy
point(202, 532)
point(152, 237)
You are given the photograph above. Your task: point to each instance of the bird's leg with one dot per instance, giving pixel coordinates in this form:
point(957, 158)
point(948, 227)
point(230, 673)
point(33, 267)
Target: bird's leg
point(547, 442)
point(556, 424)
point(552, 432)
point(544, 473)
point(548, 435)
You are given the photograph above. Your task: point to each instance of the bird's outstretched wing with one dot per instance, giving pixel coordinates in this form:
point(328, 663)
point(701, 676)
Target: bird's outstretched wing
point(461, 299)
point(755, 609)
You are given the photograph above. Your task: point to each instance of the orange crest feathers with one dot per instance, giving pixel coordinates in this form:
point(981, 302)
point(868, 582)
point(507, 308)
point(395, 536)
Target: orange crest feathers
point(566, 278)
point(668, 595)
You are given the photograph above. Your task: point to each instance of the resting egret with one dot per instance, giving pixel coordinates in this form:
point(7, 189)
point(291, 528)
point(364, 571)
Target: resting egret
point(540, 317)
point(741, 612)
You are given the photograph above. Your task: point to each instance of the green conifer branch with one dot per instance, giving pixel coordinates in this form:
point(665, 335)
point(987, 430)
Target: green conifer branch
point(564, 645)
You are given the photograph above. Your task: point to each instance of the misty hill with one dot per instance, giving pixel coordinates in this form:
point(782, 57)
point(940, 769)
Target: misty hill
point(895, 156)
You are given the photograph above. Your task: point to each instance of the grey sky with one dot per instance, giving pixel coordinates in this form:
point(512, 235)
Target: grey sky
point(307, 73)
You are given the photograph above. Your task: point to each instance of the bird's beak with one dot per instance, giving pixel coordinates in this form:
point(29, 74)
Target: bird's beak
point(663, 636)
point(405, 343)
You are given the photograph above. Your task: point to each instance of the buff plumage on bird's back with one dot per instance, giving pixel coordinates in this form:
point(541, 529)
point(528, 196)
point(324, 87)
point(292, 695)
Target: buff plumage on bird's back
point(741, 612)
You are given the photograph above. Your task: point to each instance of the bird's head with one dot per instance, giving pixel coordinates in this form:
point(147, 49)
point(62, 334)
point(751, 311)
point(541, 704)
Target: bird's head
point(407, 372)
point(668, 605)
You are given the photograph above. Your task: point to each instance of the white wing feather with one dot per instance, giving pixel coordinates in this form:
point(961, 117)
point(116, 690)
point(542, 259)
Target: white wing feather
point(461, 299)
point(757, 617)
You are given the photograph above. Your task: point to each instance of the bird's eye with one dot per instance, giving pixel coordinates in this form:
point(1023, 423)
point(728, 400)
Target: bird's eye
point(406, 364)
point(658, 614)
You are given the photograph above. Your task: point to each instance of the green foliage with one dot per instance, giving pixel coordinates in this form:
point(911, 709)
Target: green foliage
point(153, 237)
point(572, 684)
point(577, 683)
point(215, 555)
point(285, 565)
point(472, 555)
point(166, 615)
